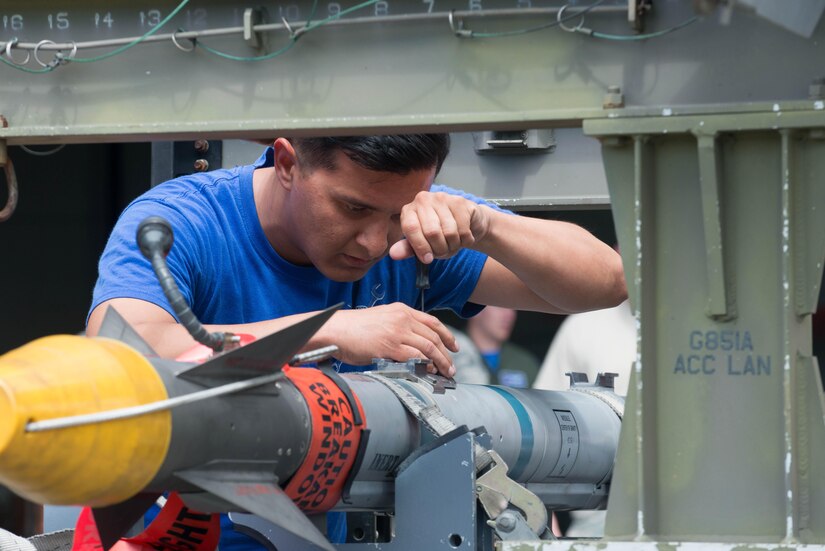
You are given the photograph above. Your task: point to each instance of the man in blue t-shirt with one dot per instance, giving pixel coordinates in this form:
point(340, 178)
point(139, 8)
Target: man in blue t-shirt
point(318, 221)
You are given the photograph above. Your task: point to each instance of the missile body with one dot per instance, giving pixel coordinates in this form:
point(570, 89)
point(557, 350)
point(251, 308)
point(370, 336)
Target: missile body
point(315, 439)
point(561, 444)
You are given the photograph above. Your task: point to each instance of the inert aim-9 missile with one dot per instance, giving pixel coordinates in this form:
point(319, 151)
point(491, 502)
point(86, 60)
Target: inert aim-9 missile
point(96, 421)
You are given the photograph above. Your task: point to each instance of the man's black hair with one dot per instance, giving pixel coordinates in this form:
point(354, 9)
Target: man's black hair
point(397, 154)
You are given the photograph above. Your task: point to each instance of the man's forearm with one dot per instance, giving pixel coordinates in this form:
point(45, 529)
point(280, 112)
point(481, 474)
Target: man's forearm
point(394, 331)
point(561, 263)
point(171, 339)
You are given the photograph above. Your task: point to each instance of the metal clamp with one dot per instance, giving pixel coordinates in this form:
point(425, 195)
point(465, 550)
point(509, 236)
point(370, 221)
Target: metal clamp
point(11, 183)
point(58, 59)
point(580, 28)
point(494, 489)
point(193, 41)
point(459, 29)
point(415, 370)
point(496, 492)
point(252, 17)
point(511, 526)
point(429, 415)
point(37, 47)
point(288, 27)
point(11, 44)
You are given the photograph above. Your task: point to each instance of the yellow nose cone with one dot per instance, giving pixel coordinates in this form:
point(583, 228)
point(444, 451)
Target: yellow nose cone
point(99, 464)
point(7, 409)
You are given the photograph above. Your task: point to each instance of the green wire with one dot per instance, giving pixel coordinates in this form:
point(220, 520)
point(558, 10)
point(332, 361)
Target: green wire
point(292, 41)
point(294, 38)
point(309, 26)
point(594, 34)
point(224, 55)
point(628, 38)
point(46, 69)
point(474, 34)
point(312, 13)
point(50, 68)
point(136, 41)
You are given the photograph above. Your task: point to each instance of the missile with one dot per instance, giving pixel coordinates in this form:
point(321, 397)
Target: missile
point(104, 422)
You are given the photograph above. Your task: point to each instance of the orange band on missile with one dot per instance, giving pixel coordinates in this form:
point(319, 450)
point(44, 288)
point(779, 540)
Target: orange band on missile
point(317, 484)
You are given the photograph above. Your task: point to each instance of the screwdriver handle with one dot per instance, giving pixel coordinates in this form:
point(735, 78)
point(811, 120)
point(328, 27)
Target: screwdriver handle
point(422, 275)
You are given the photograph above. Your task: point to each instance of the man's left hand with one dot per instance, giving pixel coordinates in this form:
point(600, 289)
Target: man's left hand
point(438, 225)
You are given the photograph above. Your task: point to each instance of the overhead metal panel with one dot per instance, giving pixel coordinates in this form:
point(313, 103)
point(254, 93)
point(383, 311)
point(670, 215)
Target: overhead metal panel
point(394, 64)
point(572, 176)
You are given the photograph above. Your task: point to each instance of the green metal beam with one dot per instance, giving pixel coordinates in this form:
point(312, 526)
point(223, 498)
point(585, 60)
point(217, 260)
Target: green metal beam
point(724, 436)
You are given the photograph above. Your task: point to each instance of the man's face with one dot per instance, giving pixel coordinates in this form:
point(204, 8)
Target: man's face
point(345, 220)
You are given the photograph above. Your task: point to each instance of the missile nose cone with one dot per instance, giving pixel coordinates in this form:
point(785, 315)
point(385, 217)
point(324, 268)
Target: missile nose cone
point(7, 417)
point(96, 464)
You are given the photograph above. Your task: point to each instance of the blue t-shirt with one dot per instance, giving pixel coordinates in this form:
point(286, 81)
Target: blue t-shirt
point(229, 273)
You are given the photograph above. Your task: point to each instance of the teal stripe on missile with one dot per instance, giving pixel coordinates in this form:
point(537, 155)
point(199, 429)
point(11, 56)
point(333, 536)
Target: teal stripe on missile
point(526, 427)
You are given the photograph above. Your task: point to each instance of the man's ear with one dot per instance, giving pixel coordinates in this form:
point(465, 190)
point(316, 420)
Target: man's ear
point(286, 162)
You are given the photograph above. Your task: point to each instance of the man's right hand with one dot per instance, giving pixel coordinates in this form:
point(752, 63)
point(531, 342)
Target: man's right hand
point(393, 331)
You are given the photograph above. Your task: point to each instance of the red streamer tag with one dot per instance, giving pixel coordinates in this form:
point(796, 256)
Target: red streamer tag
point(176, 528)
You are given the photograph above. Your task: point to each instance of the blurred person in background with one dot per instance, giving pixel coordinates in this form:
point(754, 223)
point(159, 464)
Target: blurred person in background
point(486, 356)
point(601, 341)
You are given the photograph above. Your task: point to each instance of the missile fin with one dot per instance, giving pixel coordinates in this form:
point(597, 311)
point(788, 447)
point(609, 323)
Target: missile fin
point(257, 492)
point(262, 357)
point(114, 326)
point(114, 521)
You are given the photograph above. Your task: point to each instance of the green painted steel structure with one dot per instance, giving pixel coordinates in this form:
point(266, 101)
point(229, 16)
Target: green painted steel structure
point(717, 181)
point(366, 73)
point(720, 223)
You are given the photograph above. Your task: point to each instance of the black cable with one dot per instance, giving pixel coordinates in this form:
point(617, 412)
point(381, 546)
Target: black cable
point(155, 238)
